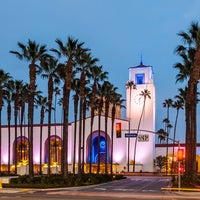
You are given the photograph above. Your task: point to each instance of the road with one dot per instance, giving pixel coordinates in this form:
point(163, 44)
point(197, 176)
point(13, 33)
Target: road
point(134, 187)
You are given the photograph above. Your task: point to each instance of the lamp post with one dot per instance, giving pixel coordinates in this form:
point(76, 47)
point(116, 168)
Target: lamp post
point(129, 127)
point(179, 159)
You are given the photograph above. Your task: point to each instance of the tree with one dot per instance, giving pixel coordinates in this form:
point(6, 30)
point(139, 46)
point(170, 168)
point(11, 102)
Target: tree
point(71, 50)
point(178, 105)
point(8, 98)
point(97, 75)
point(17, 87)
point(24, 95)
point(162, 135)
point(76, 88)
point(160, 162)
point(109, 89)
point(167, 104)
point(190, 53)
point(42, 102)
point(130, 85)
point(32, 52)
point(116, 101)
point(4, 77)
point(144, 94)
point(49, 71)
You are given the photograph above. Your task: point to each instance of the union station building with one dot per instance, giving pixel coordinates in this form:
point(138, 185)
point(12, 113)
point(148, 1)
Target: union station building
point(134, 147)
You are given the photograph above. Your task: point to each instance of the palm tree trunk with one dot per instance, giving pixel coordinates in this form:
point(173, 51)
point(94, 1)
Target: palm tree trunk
point(112, 139)
point(9, 136)
point(15, 142)
point(49, 140)
point(80, 135)
point(83, 142)
point(138, 128)
point(91, 130)
point(174, 138)
point(74, 152)
point(99, 138)
point(0, 139)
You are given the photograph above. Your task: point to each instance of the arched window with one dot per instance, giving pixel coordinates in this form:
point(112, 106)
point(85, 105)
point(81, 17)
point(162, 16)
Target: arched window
point(55, 150)
point(22, 150)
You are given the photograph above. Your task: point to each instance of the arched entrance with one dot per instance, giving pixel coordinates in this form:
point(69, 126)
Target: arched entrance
point(95, 152)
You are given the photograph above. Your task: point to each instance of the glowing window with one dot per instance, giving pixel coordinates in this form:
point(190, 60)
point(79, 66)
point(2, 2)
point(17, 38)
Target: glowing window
point(139, 78)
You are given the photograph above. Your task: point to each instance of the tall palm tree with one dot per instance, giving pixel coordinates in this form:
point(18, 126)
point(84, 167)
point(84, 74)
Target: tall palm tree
point(144, 94)
point(16, 98)
point(191, 49)
point(8, 98)
point(116, 101)
point(108, 91)
point(81, 95)
point(76, 88)
point(24, 96)
point(49, 71)
point(97, 75)
point(178, 105)
point(85, 63)
point(4, 77)
point(167, 104)
point(70, 51)
point(43, 104)
point(32, 52)
point(162, 135)
point(130, 85)
point(100, 107)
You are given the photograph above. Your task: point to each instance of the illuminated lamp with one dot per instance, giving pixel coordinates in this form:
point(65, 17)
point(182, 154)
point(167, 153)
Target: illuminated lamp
point(118, 130)
point(180, 153)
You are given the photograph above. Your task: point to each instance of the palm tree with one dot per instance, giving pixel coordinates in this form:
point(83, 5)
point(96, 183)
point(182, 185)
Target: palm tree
point(76, 88)
point(144, 94)
point(70, 50)
point(191, 49)
point(4, 77)
point(97, 75)
point(42, 102)
point(8, 98)
point(167, 104)
point(162, 135)
point(24, 96)
point(16, 98)
point(116, 101)
point(49, 71)
point(108, 91)
point(130, 85)
point(85, 63)
point(100, 107)
point(81, 95)
point(178, 104)
point(32, 52)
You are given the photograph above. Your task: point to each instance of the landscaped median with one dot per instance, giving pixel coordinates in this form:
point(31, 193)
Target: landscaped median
point(57, 181)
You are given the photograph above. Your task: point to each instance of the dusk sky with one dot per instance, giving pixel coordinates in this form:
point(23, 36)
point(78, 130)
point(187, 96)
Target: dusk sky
point(118, 32)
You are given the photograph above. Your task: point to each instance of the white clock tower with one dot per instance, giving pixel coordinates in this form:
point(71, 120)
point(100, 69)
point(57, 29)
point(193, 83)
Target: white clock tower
point(140, 111)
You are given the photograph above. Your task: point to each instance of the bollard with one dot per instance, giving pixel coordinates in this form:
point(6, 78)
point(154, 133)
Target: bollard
point(0, 184)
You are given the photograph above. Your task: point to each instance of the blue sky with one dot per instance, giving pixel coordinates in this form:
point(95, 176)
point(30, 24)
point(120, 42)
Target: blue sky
point(118, 32)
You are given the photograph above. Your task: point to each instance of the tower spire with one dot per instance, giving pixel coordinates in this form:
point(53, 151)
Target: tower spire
point(141, 63)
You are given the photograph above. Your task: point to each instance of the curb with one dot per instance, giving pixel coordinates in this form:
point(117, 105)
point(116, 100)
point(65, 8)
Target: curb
point(181, 189)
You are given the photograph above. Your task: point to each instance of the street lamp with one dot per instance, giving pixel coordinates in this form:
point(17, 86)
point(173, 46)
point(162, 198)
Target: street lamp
point(180, 153)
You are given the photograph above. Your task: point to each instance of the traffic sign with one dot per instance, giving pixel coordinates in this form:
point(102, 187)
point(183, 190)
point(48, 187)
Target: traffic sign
point(128, 135)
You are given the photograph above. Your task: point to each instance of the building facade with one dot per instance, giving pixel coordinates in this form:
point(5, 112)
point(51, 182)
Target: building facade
point(130, 142)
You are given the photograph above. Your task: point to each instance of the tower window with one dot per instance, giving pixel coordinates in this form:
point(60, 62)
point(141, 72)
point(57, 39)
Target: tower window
point(139, 78)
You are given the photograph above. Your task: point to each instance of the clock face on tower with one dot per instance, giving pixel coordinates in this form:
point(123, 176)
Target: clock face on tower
point(138, 99)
